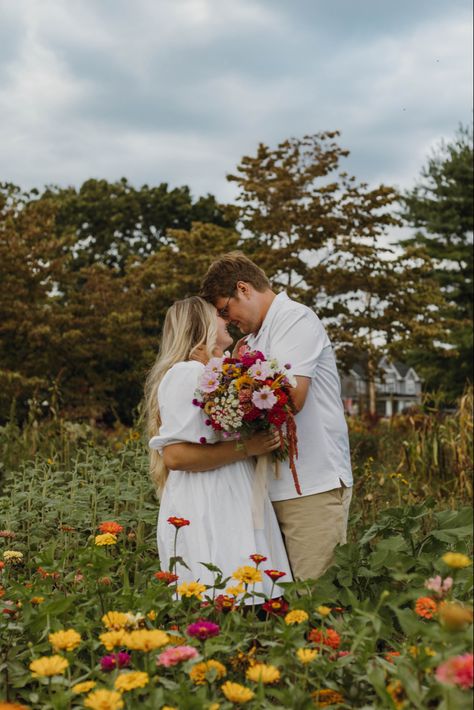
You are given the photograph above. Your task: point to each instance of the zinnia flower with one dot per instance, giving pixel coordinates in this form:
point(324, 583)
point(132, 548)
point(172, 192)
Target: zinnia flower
point(323, 610)
point(37, 600)
point(297, 616)
point(274, 574)
point(426, 607)
point(207, 671)
point(7, 534)
point(145, 639)
point(276, 606)
point(224, 603)
point(105, 539)
point(306, 655)
point(235, 591)
point(257, 558)
point(178, 522)
point(247, 575)
point(325, 696)
point(131, 680)
point(104, 699)
point(264, 398)
point(115, 660)
point(176, 654)
point(115, 620)
point(439, 586)
point(48, 666)
point(454, 616)
point(109, 526)
point(261, 672)
point(83, 687)
point(166, 577)
point(457, 671)
point(66, 640)
point(111, 639)
point(326, 637)
point(236, 693)
point(203, 629)
point(14, 557)
point(191, 589)
point(456, 560)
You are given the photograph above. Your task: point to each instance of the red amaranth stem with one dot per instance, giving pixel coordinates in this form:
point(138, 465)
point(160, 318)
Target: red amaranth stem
point(293, 450)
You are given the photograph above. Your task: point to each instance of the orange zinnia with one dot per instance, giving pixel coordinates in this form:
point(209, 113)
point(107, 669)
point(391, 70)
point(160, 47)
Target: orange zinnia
point(426, 607)
point(110, 526)
point(328, 637)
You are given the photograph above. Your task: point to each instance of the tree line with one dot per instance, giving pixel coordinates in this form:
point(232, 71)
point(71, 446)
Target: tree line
point(87, 274)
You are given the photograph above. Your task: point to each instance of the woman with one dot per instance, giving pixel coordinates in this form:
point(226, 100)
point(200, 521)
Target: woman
point(210, 484)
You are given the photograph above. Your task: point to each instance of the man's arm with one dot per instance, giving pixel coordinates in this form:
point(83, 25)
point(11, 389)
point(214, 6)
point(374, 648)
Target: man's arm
point(299, 393)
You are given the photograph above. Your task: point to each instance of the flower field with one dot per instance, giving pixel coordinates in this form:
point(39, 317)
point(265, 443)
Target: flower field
point(89, 621)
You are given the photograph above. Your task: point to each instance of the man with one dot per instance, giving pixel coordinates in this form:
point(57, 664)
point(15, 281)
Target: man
point(315, 522)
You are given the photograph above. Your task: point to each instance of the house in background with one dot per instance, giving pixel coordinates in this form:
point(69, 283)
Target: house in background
point(398, 387)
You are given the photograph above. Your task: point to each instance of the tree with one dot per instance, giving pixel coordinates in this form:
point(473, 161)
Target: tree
point(440, 207)
point(319, 234)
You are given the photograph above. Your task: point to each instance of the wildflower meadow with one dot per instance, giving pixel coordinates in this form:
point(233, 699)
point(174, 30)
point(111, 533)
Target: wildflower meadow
point(90, 621)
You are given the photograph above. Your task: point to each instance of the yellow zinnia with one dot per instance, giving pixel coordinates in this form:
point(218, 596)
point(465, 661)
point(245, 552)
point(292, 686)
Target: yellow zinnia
point(456, 560)
point(13, 556)
point(37, 600)
point(264, 673)
point(115, 620)
point(145, 639)
point(104, 699)
point(111, 639)
point(297, 616)
point(192, 589)
point(65, 640)
point(48, 666)
point(236, 693)
point(454, 616)
point(83, 687)
point(105, 539)
point(235, 591)
point(323, 610)
point(247, 575)
point(306, 655)
point(131, 680)
point(207, 671)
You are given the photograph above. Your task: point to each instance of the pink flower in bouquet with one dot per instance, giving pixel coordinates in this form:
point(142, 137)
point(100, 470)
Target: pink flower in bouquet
point(260, 371)
point(264, 398)
point(209, 382)
point(457, 671)
point(214, 366)
point(175, 655)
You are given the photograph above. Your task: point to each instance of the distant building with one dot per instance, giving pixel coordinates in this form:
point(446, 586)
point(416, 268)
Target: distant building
point(398, 387)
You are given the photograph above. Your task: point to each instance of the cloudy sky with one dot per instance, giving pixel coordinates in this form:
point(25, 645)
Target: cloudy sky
point(178, 90)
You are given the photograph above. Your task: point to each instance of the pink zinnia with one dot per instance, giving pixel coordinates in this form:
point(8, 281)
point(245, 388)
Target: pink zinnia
point(438, 585)
point(203, 629)
point(457, 671)
point(264, 398)
point(115, 660)
point(175, 655)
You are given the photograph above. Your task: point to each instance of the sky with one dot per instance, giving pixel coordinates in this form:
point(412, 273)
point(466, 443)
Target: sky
point(178, 91)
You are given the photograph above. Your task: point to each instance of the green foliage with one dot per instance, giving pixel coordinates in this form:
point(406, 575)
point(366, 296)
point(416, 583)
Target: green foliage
point(440, 207)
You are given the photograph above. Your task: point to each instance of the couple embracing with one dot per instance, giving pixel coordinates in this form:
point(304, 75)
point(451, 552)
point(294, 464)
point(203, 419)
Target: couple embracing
point(212, 484)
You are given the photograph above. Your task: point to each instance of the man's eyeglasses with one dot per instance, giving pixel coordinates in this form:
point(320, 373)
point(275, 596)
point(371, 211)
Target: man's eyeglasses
point(224, 312)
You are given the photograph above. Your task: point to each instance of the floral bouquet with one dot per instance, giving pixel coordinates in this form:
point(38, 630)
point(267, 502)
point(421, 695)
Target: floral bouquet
point(244, 395)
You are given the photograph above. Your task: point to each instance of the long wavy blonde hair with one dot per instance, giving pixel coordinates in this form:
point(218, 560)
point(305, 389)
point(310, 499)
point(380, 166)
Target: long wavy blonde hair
point(189, 324)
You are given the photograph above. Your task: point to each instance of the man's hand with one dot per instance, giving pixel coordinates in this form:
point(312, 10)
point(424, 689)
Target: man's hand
point(238, 345)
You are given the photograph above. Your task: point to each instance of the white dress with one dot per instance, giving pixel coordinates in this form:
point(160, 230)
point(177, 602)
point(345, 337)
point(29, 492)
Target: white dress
point(218, 503)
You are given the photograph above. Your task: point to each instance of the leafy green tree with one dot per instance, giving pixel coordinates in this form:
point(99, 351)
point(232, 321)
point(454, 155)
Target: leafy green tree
point(440, 208)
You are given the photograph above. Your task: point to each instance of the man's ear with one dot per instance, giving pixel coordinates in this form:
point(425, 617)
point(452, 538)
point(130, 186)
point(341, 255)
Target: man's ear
point(243, 288)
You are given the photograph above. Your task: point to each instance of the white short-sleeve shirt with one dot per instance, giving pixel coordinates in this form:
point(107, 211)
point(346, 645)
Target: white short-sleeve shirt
point(292, 333)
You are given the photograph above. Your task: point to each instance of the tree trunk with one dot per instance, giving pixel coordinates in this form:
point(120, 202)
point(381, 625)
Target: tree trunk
point(371, 371)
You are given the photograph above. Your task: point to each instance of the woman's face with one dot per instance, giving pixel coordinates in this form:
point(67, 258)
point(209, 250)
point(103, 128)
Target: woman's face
point(224, 339)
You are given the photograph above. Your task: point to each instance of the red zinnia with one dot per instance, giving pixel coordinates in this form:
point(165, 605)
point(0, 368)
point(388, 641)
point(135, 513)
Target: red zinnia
point(224, 603)
point(178, 522)
point(166, 577)
point(277, 417)
point(274, 574)
point(257, 558)
point(276, 606)
point(110, 526)
point(328, 637)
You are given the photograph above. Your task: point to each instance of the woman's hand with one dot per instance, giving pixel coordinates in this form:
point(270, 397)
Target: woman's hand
point(262, 443)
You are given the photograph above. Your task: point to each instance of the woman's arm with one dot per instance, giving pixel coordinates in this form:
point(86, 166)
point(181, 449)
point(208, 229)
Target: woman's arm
point(204, 457)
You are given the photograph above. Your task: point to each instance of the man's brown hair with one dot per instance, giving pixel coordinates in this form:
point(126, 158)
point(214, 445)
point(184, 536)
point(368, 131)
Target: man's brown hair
point(224, 273)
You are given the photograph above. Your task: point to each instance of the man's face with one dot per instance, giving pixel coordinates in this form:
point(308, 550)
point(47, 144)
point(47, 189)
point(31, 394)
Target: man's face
point(242, 309)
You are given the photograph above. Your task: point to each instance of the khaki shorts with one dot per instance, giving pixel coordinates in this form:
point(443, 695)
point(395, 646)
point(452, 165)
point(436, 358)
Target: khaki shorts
point(312, 526)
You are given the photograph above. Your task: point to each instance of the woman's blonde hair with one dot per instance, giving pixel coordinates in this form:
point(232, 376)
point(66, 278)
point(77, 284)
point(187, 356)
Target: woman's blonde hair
point(189, 324)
